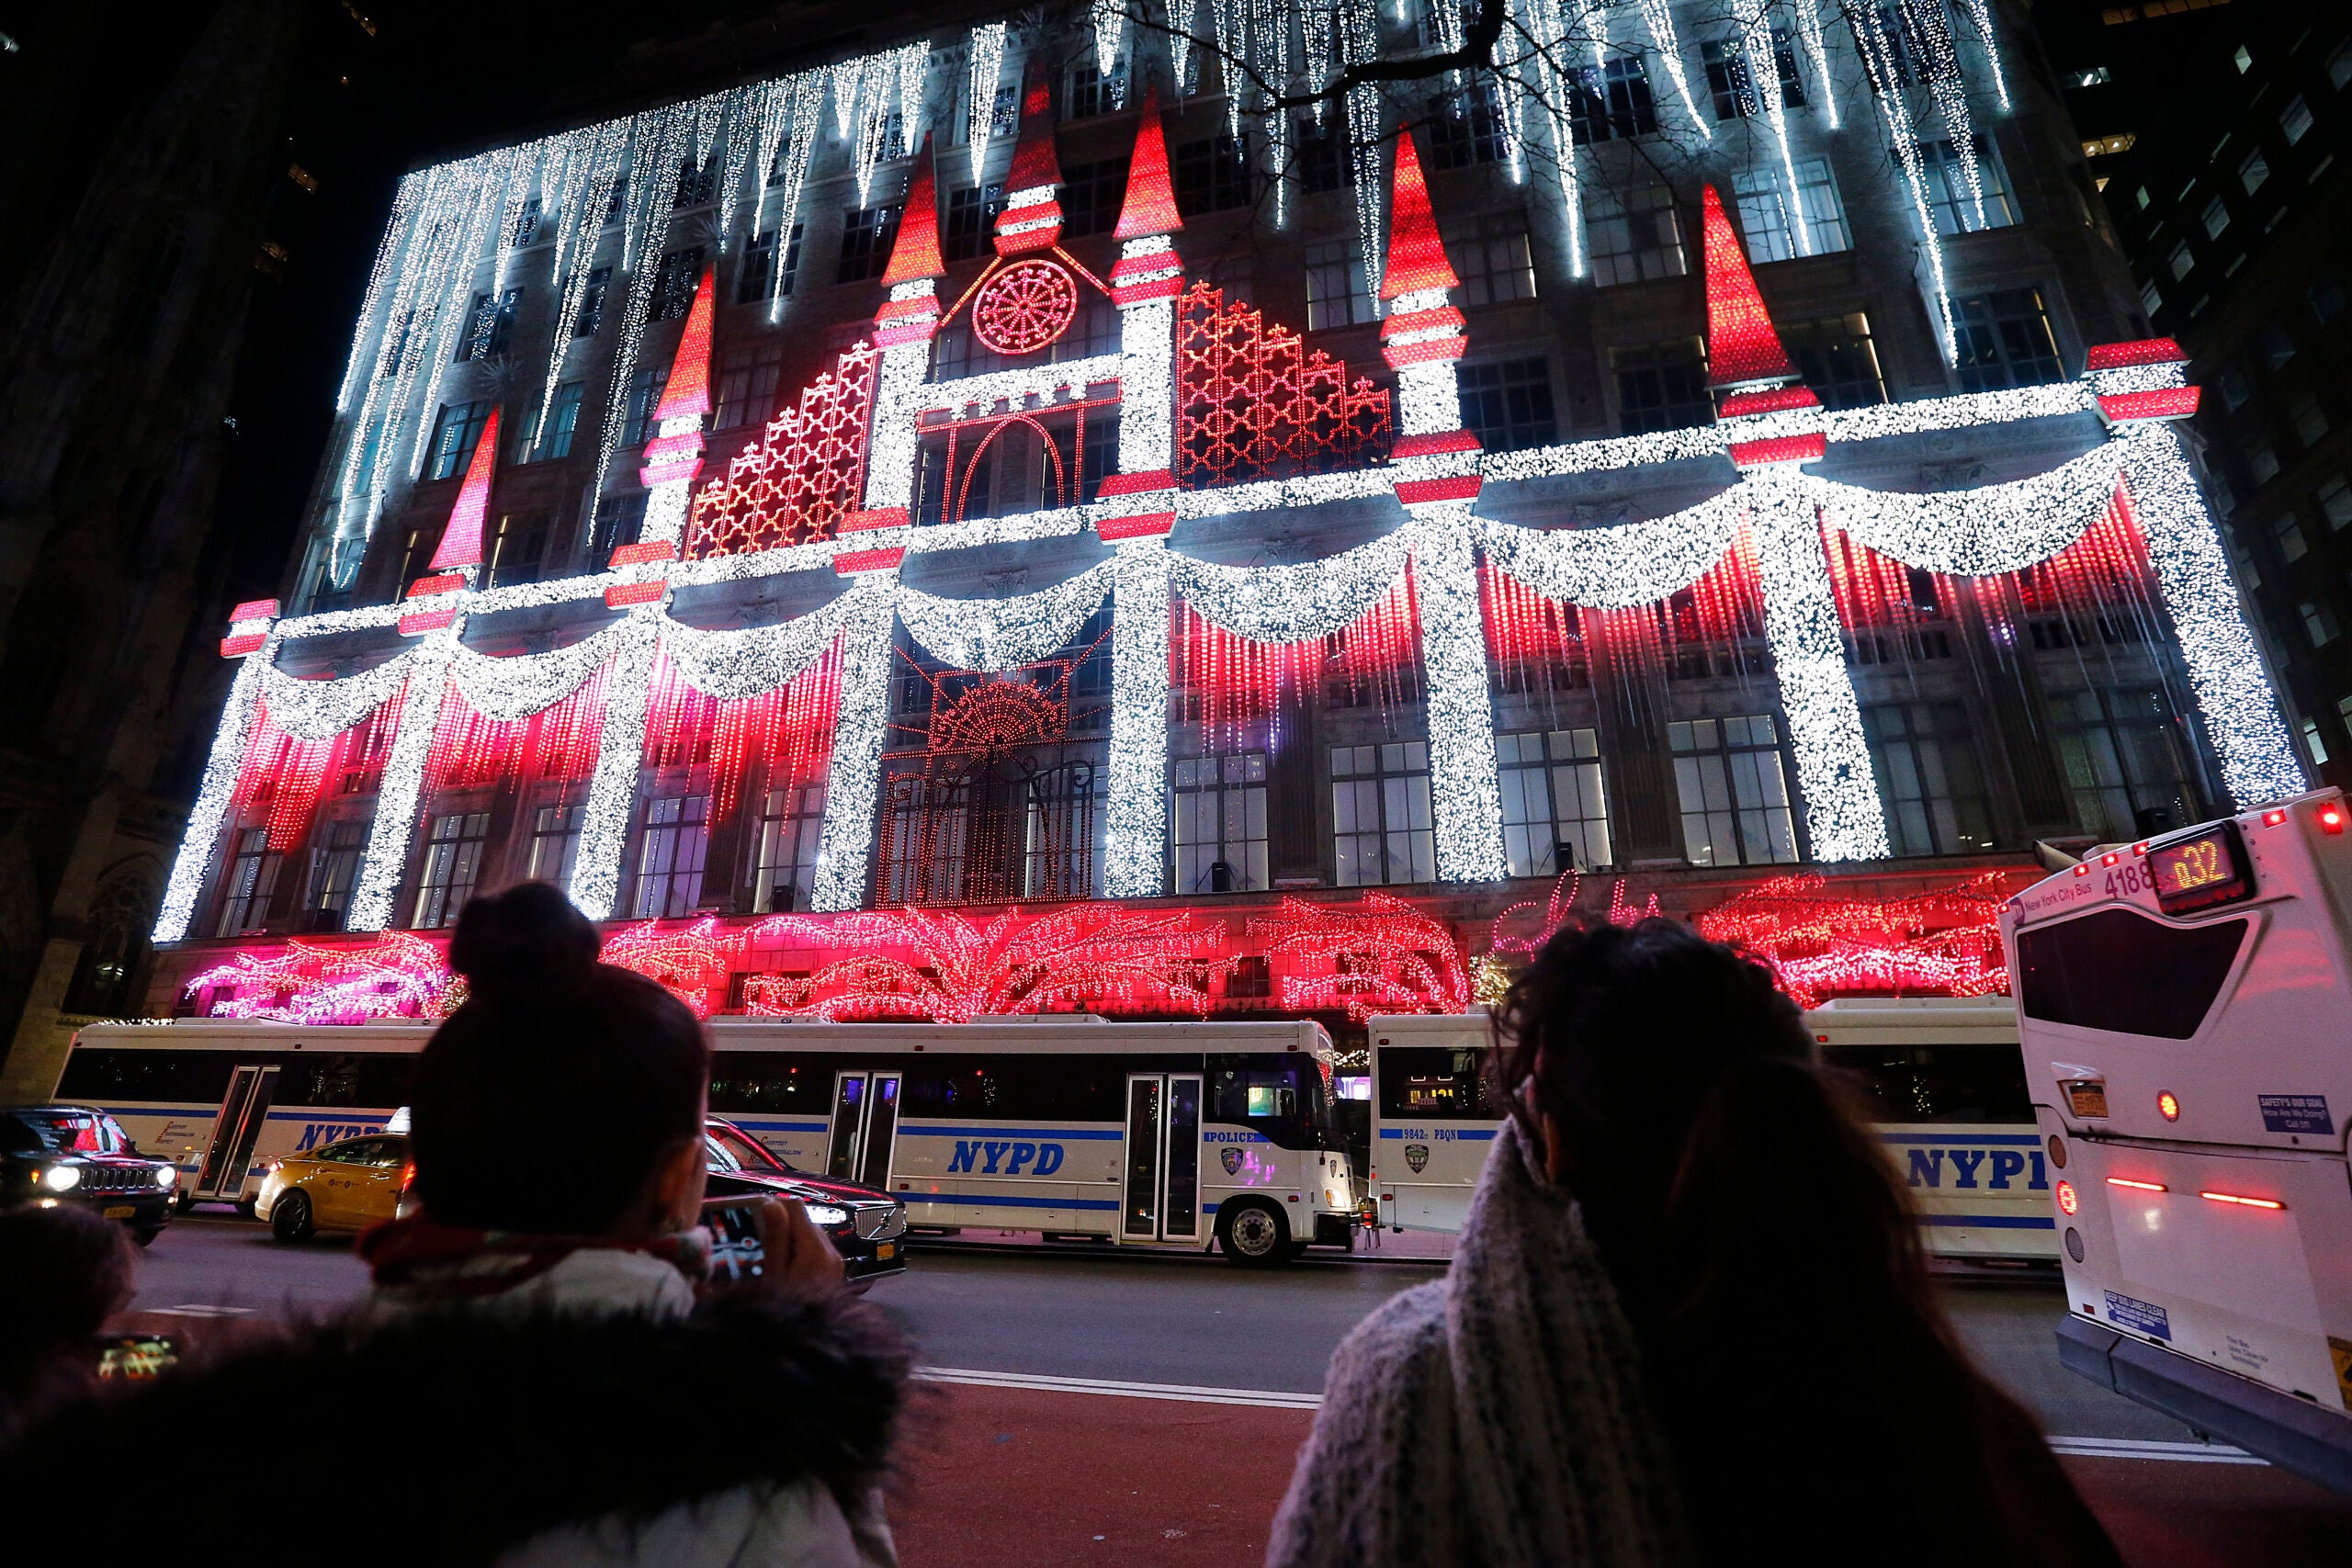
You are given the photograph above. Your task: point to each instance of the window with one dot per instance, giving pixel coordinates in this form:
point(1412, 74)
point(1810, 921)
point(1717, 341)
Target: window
point(2216, 218)
point(1948, 195)
point(452, 863)
point(2261, 459)
point(591, 303)
point(1091, 196)
point(2290, 533)
point(1731, 85)
point(2318, 621)
point(2254, 171)
point(784, 872)
point(697, 183)
point(2118, 970)
point(335, 869)
point(1337, 295)
point(1634, 236)
point(2295, 120)
point(1661, 387)
point(1611, 101)
point(2325, 299)
point(252, 879)
point(645, 386)
point(1221, 823)
point(563, 424)
point(1092, 93)
point(1212, 176)
point(1936, 1083)
point(1927, 775)
point(1380, 814)
point(2313, 744)
point(490, 326)
point(618, 519)
point(1734, 796)
point(1493, 260)
point(2180, 261)
point(1320, 156)
point(1437, 1083)
point(2335, 500)
point(2339, 64)
point(2232, 388)
point(2277, 347)
point(1467, 127)
point(971, 218)
point(1556, 818)
point(555, 842)
point(454, 434)
point(517, 548)
point(2139, 196)
point(1765, 212)
point(2122, 762)
point(756, 278)
point(1507, 403)
point(617, 204)
point(747, 379)
point(2308, 418)
point(866, 237)
point(675, 283)
point(527, 224)
point(1837, 360)
point(670, 854)
point(1003, 112)
point(2344, 712)
point(2004, 341)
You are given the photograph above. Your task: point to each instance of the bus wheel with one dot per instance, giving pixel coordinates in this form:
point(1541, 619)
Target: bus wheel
point(291, 1220)
point(1253, 1235)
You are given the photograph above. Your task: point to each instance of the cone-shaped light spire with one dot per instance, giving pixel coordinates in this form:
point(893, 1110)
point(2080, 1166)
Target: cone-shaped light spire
point(916, 252)
point(461, 540)
point(1416, 256)
point(688, 391)
point(1742, 348)
point(1031, 219)
point(1150, 206)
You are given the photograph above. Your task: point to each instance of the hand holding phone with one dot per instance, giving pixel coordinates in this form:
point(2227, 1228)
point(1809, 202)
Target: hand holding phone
point(768, 1245)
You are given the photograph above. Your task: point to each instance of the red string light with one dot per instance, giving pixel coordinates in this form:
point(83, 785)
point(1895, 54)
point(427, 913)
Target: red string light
point(461, 540)
point(1416, 255)
point(688, 391)
point(1741, 343)
point(1944, 942)
point(915, 252)
point(807, 471)
point(1386, 958)
point(1252, 402)
point(1150, 204)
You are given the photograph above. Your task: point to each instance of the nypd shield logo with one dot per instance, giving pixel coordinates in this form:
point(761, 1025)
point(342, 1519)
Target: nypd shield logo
point(1231, 1155)
point(1418, 1156)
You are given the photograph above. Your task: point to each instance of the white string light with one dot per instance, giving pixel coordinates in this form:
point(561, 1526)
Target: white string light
point(988, 65)
point(1817, 49)
point(511, 689)
point(387, 253)
point(753, 660)
point(1981, 13)
point(401, 788)
point(193, 864)
point(1974, 533)
point(845, 838)
point(1134, 858)
point(1618, 567)
point(319, 710)
point(1763, 63)
point(990, 635)
point(1886, 76)
point(1658, 15)
point(1110, 20)
point(605, 814)
point(1293, 604)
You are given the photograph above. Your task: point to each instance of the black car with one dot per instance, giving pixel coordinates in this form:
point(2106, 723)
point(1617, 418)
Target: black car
point(77, 1153)
point(868, 1226)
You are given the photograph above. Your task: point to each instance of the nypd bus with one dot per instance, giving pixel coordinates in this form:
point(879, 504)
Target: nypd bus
point(1942, 1076)
point(1164, 1135)
point(2182, 1003)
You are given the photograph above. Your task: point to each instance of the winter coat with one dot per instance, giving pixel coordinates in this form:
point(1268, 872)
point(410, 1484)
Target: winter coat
point(589, 1417)
point(1494, 1417)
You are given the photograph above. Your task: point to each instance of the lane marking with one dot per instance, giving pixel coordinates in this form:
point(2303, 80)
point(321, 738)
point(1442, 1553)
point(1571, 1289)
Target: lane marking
point(1281, 1399)
point(1187, 1393)
point(199, 1309)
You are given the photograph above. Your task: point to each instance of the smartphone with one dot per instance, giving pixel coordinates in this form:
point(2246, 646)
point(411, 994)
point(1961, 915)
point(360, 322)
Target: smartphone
point(736, 1253)
point(135, 1355)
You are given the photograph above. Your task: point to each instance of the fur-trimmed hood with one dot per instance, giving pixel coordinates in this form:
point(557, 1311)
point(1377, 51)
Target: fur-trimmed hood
point(456, 1435)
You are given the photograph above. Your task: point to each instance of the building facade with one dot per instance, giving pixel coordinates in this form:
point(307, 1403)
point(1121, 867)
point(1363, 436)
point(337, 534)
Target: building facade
point(1040, 486)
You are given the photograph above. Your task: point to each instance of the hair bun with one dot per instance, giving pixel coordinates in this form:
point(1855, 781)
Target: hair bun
point(529, 936)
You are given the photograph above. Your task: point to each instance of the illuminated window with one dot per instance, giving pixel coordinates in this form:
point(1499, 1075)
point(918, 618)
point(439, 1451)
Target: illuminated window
point(2216, 218)
point(784, 871)
point(555, 842)
point(2099, 146)
point(335, 852)
point(697, 183)
point(2003, 339)
point(618, 519)
point(1948, 197)
point(1928, 778)
point(2335, 500)
point(755, 275)
point(2318, 621)
point(1837, 360)
point(1611, 102)
point(675, 283)
point(245, 890)
point(2295, 120)
point(1382, 831)
point(591, 303)
point(516, 549)
point(1765, 210)
point(453, 852)
point(563, 425)
point(2313, 743)
point(2254, 171)
point(645, 386)
point(671, 848)
point(1492, 257)
point(970, 222)
point(1220, 821)
point(1731, 86)
point(1733, 794)
point(490, 326)
point(1092, 93)
point(2122, 761)
point(2289, 535)
point(1661, 386)
point(1556, 816)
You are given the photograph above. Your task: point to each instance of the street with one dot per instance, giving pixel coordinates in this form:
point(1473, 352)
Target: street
point(1095, 1407)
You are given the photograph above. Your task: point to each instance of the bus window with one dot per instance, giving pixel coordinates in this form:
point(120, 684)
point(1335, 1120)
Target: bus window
point(118, 1075)
point(1280, 1097)
point(1938, 1083)
point(1437, 1083)
point(769, 1081)
point(1040, 1088)
point(370, 1079)
point(2119, 970)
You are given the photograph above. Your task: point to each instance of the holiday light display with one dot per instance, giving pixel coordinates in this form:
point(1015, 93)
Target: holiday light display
point(688, 963)
point(1387, 958)
point(1521, 929)
point(1946, 943)
point(805, 472)
point(1077, 955)
point(988, 65)
point(997, 634)
point(396, 976)
point(1889, 71)
point(1301, 412)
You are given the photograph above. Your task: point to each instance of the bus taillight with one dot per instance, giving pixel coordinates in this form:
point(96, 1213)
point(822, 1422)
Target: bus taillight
point(2169, 1105)
point(2330, 818)
point(2242, 1200)
point(2067, 1202)
point(2137, 1186)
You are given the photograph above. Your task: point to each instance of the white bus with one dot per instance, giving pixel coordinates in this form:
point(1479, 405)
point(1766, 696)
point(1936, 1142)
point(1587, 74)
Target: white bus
point(1139, 1133)
point(2183, 1003)
point(1944, 1077)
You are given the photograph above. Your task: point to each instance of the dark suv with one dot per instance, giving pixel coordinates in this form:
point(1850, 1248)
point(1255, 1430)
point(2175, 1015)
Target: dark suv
point(77, 1153)
point(868, 1227)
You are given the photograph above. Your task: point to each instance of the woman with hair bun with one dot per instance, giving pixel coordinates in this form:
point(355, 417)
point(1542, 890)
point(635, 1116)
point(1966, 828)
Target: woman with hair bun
point(1687, 1320)
point(534, 1368)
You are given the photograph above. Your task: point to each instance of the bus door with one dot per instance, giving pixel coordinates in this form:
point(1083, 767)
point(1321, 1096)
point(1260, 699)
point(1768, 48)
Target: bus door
point(1162, 1181)
point(236, 1131)
point(865, 1128)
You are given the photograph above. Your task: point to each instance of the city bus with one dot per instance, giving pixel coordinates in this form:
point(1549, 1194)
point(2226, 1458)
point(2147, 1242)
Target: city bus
point(2182, 1003)
point(1943, 1077)
point(1162, 1134)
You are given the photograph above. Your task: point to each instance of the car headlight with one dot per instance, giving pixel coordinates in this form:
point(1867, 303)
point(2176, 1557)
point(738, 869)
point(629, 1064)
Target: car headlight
point(168, 1176)
point(62, 1178)
point(827, 1215)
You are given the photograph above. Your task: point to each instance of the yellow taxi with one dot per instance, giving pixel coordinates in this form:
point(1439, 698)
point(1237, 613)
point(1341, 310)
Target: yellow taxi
point(344, 1186)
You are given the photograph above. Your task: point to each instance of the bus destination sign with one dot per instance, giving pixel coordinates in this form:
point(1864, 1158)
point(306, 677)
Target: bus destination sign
point(2198, 872)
